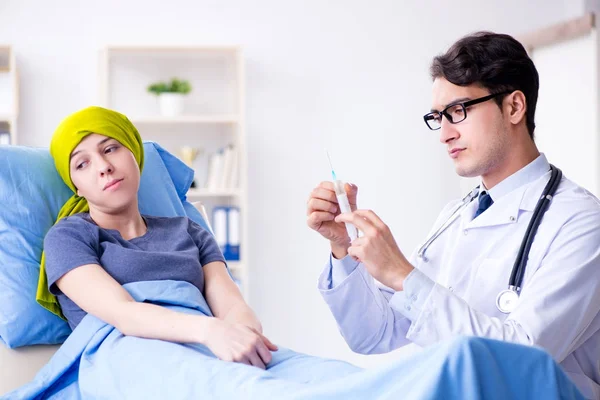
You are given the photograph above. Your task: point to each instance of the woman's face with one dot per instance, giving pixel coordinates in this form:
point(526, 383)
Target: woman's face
point(105, 172)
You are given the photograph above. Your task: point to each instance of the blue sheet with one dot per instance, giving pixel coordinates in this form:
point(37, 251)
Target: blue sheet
point(97, 361)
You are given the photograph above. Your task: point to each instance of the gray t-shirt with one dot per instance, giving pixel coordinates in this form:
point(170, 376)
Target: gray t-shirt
point(173, 248)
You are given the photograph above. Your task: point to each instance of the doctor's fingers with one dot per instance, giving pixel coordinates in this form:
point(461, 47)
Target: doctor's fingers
point(381, 229)
point(323, 194)
point(373, 218)
point(326, 191)
point(352, 192)
point(361, 223)
point(321, 205)
point(357, 250)
point(326, 185)
point(316, 218)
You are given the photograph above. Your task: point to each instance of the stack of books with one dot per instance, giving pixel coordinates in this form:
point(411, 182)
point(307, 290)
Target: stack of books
point(223, 169)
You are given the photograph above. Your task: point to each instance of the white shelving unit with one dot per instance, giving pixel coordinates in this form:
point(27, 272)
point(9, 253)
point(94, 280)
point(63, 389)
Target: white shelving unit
point(212, 120)
point(9, 96)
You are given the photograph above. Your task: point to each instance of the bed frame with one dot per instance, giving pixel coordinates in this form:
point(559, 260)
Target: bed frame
point(19, 366)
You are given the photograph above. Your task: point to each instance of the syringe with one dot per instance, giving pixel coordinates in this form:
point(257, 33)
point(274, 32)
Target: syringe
point(342, 199)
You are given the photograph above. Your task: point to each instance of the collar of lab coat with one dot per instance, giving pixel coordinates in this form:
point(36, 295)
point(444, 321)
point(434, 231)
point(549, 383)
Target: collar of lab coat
point(517, 192)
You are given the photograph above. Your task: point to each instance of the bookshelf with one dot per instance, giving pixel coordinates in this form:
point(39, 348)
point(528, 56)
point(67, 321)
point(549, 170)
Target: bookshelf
point(9, 96)
point(212, 120)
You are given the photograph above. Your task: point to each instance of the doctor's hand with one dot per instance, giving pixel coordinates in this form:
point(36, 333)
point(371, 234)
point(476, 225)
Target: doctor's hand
point(377, 249)
point(322, 208)
point(238, 343)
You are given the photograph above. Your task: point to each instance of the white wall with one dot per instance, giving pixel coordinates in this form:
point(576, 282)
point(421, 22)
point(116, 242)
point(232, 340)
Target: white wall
point(349, 76)
point(568, 108)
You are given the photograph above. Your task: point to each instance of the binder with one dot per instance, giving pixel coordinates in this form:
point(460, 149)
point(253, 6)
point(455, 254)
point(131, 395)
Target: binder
point(226, 226)
point(233, 234)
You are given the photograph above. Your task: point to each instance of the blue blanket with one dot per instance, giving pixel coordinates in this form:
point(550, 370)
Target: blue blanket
point(98, 362)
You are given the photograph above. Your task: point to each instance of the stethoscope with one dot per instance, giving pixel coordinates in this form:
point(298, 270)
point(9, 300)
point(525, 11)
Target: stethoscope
point(506, 300)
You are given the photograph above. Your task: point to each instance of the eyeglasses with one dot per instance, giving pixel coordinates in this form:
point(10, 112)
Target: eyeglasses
point(455, 113)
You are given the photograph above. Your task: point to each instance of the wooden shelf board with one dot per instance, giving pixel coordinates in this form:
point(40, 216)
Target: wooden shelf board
point(179, 51)
point(187, 119)
point(197, 193)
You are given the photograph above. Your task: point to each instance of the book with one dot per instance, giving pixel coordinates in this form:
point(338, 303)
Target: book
point(219, 225)
point(215, 169)
point(228, 155)
point(223, 169)
point(233, 176)
point(233, 234)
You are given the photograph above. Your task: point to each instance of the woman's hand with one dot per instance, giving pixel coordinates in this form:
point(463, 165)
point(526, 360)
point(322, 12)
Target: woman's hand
point(238, 343)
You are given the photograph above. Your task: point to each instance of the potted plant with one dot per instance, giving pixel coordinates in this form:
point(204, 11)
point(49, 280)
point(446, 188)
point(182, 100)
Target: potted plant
point(171, 95)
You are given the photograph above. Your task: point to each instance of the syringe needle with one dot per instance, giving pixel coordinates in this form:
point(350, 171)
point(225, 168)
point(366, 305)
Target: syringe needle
point(331, 165)
point(329, 158)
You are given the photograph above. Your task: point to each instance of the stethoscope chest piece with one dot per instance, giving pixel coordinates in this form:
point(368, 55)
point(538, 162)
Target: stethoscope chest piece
point(507, 300)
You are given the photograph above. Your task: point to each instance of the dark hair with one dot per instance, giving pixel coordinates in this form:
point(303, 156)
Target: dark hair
point(494, 61)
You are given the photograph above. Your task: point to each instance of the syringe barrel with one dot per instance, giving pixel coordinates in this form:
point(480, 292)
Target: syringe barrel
point(338, 186)
point(344, 204)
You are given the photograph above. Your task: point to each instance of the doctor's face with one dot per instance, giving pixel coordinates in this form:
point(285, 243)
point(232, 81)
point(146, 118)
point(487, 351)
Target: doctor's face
point(479, 143)
point(106, 173)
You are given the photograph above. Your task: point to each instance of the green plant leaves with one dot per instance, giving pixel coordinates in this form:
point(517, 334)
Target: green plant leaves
point(174, 86)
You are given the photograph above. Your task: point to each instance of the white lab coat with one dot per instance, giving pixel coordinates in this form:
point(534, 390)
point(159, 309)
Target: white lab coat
point(471, 262)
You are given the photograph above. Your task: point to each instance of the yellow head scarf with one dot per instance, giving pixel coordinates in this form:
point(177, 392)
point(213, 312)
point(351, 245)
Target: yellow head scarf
point(71, 131)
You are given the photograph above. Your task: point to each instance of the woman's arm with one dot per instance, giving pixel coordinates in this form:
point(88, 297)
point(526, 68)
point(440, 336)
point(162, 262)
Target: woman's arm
point(99, 294)
point(225, 299)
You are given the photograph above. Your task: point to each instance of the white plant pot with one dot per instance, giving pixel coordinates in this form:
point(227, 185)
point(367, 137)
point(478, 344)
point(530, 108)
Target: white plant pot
point(171, 104)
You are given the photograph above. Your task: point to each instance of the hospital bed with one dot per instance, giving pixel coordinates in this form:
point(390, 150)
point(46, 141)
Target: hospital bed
point(19, 366)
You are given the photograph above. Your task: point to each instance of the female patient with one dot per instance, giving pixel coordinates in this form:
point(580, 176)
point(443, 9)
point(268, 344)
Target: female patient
point(104, 242)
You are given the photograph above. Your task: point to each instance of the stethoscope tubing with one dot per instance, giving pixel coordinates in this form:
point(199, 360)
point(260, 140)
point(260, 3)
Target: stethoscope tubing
point(518, 271)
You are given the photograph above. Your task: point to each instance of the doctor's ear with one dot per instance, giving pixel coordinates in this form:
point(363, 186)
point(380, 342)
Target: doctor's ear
point(516, 106)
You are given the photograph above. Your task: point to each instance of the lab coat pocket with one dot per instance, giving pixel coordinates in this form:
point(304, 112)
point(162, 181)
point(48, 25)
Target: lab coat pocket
point(491, 277)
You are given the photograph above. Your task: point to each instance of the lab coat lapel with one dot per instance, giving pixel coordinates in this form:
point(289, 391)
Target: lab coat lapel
point(504, 211)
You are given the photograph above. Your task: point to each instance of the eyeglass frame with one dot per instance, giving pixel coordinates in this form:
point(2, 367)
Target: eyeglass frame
point(464, 105)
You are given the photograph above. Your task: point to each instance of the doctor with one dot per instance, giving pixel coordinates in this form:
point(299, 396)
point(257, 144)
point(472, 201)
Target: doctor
point(485, 90)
